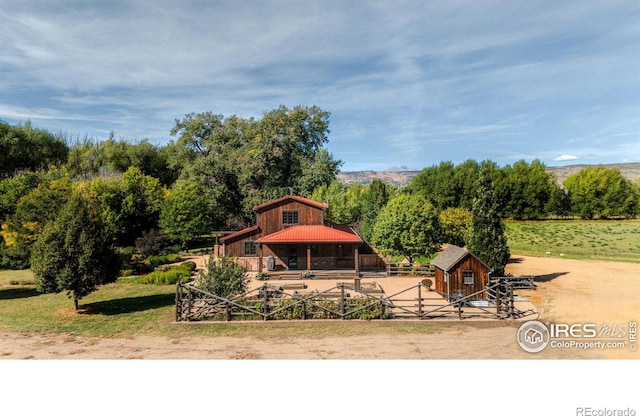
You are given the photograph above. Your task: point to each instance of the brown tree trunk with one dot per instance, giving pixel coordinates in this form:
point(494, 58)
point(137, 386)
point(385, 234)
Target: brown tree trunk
point(75, 303)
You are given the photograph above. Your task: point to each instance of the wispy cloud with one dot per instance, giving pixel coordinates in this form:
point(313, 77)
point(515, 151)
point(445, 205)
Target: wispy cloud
point(564, 158)
point(416, 81)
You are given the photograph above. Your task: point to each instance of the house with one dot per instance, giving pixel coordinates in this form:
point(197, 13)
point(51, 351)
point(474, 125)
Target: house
point(291, 234)
point(458, 271)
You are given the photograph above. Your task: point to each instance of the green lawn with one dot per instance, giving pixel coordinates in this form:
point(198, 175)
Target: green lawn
point(615, 240)
point(127, 309)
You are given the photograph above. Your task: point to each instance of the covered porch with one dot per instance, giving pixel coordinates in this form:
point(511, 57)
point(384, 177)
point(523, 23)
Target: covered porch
point(309, 247)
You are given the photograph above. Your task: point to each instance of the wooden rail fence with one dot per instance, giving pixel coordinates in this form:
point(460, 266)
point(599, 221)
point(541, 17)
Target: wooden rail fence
point(345, 301)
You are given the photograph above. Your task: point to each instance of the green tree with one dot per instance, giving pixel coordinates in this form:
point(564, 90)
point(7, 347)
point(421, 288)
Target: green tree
point(487, 239)
point(602, 192)
point(223, 277)
point(74, 253)
point(128, 205)
point(246, 162)
point(437, 184)
point(14, 188)
point(407, 226)
point(189, 211)
point(465, 177)
point(32, 212)
point(343, 200)
point(527, 190)
point(559, 202)
point(24, 148)
point(456, 225)
point(374, 198)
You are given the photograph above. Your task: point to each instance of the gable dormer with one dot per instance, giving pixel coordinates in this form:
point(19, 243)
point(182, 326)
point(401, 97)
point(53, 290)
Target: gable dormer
point(281, 213)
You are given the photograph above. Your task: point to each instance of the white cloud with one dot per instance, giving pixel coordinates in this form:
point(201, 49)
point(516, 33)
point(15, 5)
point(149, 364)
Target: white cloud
point(564, 158)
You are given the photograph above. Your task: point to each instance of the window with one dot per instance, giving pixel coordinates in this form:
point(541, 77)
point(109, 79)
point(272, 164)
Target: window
point(289, 217)
point(249, 248)
point(467, 277)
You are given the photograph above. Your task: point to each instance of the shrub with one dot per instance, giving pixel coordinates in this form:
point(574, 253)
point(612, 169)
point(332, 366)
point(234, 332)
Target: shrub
point(171, 276)
point(189, 265)
point(151, 242)
point(223, 277)
point(163, 259)
point(262, 276)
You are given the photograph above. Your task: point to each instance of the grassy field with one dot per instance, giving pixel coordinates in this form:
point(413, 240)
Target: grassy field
point(576, 239)
point(126, 309)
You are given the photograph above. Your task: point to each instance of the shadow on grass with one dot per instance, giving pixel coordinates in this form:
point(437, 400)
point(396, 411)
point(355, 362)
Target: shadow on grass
point(548, 277)
point(18, 293)
point(128, 305)
point(515, 260)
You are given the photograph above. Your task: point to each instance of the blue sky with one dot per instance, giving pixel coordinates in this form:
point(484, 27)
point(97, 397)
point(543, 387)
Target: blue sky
point(407, 83)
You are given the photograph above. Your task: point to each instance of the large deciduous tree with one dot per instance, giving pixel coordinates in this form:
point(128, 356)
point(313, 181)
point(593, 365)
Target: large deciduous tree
point(456, 225)
point(249, 161)
point(189, 210)
point(487, 239)
point(74, 253)
point(407, 226)
point(603, 192)
point(23, 147)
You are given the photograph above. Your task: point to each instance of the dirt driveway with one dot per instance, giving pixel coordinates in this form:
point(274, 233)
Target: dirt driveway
point(569, 291)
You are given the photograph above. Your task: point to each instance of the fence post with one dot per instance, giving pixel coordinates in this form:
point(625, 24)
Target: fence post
point(498, 298)
point(189, 305)
point(178, 301)
point(511, 307)
point(266, 301)
point(420, 300)
point(342, 300)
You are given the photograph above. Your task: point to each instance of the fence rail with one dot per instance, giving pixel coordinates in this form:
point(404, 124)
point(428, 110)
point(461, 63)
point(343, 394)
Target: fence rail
point(403, 269)
point(344, 301)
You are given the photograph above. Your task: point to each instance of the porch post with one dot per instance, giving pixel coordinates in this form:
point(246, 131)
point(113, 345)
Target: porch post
point(357, 259)
point(259, 258)
point(308, 256)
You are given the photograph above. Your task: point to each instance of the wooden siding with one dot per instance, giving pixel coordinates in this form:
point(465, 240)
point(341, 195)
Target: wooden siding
point(270, 221)
point(455, 281)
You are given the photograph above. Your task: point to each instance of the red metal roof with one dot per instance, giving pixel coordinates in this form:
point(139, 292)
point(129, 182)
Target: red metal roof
point(300, 199)
point(311, 234)
point(240, 233)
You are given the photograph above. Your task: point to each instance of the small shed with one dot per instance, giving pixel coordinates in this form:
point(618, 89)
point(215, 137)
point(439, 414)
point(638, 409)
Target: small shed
point(458, 271)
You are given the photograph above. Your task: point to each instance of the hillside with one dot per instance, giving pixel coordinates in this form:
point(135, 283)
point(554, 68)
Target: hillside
point(401, 178)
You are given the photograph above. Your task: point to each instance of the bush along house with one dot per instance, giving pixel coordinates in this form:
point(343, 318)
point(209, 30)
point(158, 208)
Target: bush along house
point(291, 234)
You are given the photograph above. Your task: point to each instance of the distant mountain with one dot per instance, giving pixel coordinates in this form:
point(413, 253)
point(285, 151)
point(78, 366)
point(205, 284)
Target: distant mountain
point(630, 170)
point(403, 177)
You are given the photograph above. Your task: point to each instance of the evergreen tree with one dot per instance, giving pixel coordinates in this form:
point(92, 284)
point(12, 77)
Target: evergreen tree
point(74, 253)
point(487, 239)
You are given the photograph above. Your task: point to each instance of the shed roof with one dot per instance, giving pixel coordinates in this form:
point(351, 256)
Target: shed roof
point(306, 201)
point(240, 233)
point(451, 256)
point(312, 234)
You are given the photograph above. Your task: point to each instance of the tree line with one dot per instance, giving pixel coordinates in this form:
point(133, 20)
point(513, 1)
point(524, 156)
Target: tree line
point(207, 179)
point(136, 194)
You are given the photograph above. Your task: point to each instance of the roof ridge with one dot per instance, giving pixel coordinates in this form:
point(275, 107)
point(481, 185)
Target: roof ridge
point(298, 198)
